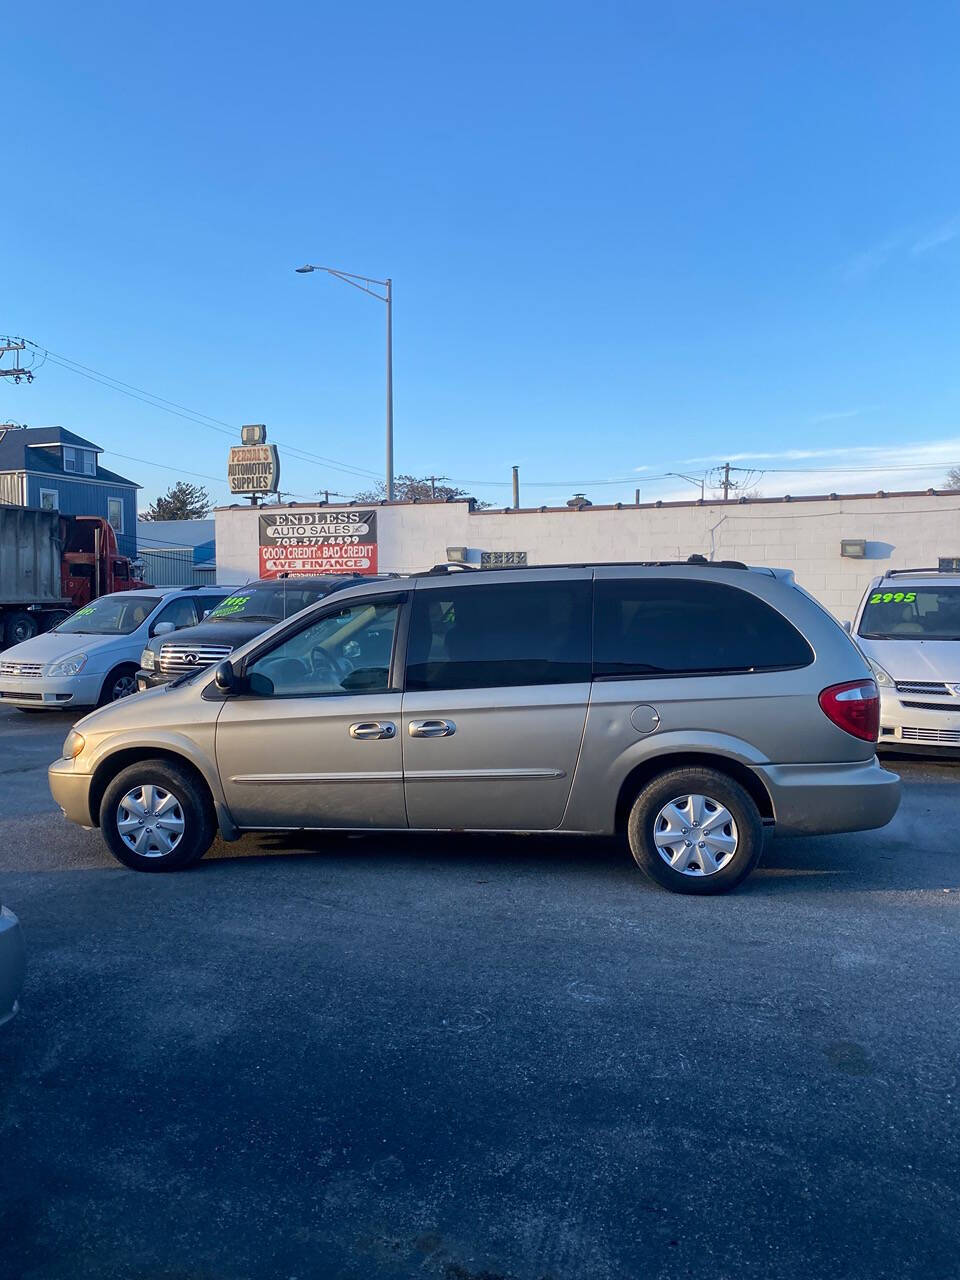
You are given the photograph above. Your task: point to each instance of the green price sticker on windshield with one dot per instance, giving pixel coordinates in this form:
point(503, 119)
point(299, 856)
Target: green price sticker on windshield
point(892, 597)
point(82, 613)
point(232, 604)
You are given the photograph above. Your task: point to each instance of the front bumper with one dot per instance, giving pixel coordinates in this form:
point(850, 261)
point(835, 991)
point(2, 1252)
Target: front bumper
point(151, 680)
point(12, 964)
point(905, 725)
point(820, 799)
point(71, 791)
point(51, 693)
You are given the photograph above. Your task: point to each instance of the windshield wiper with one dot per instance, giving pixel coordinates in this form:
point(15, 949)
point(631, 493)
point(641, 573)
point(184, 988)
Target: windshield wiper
point(245, 617)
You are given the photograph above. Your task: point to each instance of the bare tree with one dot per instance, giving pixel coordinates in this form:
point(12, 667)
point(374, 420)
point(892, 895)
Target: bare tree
point(412, 488)
point(953, 478)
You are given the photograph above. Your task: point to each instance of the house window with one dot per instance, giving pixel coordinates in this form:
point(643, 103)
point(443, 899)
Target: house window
point(49, 500)
point(115, 513)
point(79, 461)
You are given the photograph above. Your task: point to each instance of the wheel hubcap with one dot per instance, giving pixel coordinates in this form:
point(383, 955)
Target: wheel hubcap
point(122, 687)
point(150, 821)
point(695, 835)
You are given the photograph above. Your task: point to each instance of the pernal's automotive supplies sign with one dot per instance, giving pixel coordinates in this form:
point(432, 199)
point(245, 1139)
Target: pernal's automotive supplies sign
point(302, 543)
point(253, 468)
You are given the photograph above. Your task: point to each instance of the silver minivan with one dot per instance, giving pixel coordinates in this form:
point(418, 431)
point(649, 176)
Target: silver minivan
point(688, 706)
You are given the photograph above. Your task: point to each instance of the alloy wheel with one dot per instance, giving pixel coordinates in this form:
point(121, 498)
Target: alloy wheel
point(122, 687)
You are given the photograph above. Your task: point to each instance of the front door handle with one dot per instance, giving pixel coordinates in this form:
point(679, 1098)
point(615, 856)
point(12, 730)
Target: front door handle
point(367, 730)
point(431, 728)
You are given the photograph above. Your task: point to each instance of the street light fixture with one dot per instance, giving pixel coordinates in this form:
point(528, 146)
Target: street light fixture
point(696, 481)
point(364, 283)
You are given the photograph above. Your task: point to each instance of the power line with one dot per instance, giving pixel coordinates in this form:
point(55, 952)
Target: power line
point(190, 415)
point(364, 473)
point(877, 467)
point(197, 475)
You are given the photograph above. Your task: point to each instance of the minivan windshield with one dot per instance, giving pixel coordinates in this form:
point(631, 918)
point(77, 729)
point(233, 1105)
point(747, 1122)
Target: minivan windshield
point(114, 615)
point(271, 603)
point(920, 613)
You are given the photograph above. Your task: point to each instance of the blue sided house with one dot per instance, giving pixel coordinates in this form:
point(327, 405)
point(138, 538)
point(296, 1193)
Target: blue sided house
point(52, 468)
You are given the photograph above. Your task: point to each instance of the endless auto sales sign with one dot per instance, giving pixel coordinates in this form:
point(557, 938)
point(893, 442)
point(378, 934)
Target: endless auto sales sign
point(302, 543)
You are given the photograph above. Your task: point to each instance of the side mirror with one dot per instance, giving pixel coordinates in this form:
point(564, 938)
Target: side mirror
point(163, 628)
point(225, 678)
point(848, 628)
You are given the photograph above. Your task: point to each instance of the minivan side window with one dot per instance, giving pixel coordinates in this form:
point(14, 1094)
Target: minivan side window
point(672, 627)
point(490, 636)
point(348, 651)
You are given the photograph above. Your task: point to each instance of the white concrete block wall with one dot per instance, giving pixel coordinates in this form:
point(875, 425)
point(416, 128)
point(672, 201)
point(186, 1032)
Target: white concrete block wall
point(906, 531)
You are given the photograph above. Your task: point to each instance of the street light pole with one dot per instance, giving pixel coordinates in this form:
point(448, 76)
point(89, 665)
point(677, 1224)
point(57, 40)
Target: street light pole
point(389, 458)
point(363, 283)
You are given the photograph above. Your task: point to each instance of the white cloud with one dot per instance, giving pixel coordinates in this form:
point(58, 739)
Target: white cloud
point(910, 243)
point(854, 469)
point(872, 259)
point(836, 415)
point(931, 452)
point(941, 235)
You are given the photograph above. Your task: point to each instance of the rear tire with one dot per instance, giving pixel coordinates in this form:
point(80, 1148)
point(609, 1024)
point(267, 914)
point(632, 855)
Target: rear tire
point(177, 825)
point(694, 830)
point(18, 627)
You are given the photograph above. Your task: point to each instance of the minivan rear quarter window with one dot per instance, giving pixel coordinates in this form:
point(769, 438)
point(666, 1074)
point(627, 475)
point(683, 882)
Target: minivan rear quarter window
point(671, 627)
point(517, 633)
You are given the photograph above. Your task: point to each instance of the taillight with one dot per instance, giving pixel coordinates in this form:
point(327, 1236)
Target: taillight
point(853, 707)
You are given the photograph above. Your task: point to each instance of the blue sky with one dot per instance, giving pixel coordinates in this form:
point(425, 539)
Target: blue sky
point(625, 239)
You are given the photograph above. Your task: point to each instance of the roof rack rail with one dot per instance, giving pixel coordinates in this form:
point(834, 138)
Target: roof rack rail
point(448, 566)
point(696, 561)
point(896, 573)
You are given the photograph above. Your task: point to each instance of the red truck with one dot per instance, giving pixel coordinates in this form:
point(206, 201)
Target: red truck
point(52, 564)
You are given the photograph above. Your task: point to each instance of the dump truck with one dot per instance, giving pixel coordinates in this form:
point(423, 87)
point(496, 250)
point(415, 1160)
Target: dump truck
point(52, 564)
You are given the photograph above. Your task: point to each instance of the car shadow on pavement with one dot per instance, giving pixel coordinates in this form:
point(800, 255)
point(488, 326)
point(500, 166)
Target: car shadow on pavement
point(895, 859)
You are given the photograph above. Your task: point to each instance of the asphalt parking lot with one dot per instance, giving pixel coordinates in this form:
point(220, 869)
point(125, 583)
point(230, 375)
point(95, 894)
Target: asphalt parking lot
point(481, 1058)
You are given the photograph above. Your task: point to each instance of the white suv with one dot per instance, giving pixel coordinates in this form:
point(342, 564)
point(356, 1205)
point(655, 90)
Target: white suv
point(908, 626)
point(92, 657)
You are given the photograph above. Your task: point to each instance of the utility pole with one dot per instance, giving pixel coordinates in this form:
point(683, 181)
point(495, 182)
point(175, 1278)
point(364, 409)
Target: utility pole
point(433, 485)
point(516, 488)
point(16, 371)
point(364, 283)
point(726, 481)
point(389, 301)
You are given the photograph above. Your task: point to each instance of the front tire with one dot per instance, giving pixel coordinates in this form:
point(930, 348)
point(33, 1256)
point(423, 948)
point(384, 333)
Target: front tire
point(156, 816)
point(695, 830)
point(120, 683)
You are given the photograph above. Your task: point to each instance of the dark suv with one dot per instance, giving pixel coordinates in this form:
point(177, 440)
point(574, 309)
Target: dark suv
point(244, 614)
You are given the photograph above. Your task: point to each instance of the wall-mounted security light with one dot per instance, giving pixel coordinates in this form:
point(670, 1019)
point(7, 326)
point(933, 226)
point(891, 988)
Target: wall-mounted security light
point(853, 548)
point(456, 555)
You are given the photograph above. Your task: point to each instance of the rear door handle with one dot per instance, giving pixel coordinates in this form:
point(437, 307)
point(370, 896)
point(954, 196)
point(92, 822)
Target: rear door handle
point(367, 730)
point(431, 728)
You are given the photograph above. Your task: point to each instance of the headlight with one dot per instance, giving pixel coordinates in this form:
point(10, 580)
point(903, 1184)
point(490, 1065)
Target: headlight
point(71, 666)
point(884, 680)
point(73, 745)
point(148, 660)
